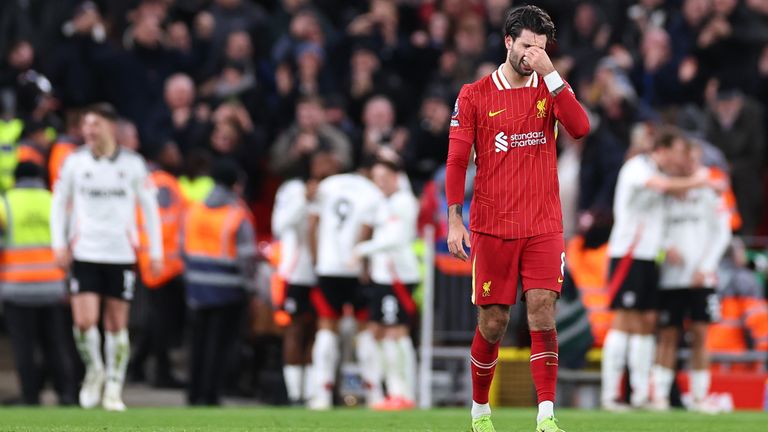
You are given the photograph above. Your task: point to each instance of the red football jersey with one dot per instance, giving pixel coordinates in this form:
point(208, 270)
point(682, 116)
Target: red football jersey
point(516, 191)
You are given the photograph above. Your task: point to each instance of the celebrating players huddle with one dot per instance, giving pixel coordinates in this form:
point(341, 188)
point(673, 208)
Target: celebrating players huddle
point(346, 240)
point(667, 211)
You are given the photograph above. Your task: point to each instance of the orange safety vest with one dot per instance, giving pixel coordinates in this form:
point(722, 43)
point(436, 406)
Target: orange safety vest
point(59, 153)
point(729, 198)
point(210, 252)
point(29, 153)
point(171, 214)
point(28, 268)
point(589, 270)
point(739, 314)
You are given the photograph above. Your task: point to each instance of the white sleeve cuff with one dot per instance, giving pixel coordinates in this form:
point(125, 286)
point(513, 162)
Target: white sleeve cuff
point(553, 81)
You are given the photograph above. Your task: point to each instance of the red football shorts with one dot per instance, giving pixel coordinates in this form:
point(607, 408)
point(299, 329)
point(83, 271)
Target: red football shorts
point(497, 264)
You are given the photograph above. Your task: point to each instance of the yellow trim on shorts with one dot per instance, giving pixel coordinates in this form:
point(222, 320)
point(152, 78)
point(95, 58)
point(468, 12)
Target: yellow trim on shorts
point(474, 260)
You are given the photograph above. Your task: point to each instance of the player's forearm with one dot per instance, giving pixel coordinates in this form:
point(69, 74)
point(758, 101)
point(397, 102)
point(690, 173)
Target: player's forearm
point(152, 217)
point(312, 234)
point(720, 240)
point(456, 170)
point(58, 222)
point(674, 185)
point(570, 113)
point(455, 215)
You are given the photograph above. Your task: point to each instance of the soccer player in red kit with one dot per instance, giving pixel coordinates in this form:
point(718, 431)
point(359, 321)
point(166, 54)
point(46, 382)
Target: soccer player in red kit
point(516, 222)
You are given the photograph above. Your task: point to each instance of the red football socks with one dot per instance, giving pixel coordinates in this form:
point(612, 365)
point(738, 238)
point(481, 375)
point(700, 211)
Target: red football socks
point(543, 363)
point(483, 356)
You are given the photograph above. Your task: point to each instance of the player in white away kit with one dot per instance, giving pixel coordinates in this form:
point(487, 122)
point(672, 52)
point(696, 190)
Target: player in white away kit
point(697, 235)
point(635, 243)
point(93, 220)
point(344, 205)
point(395, 274)
point(291, 227)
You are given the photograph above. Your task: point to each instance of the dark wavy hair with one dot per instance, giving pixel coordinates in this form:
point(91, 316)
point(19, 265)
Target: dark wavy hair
point(529, 17)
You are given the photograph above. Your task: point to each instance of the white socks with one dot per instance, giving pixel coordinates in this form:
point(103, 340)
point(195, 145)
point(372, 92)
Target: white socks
point(614, 360)
point(641, 349)
point(293, 374)
point(369, 360)
point(325, 356)
point(662, 382)
point(546, 410)
point(307, 383)
point(117, 350)
point(700, 379)
point(393, 371)
point(400, 369)
point(480, 409)
point(89, 346)
point(408, 353)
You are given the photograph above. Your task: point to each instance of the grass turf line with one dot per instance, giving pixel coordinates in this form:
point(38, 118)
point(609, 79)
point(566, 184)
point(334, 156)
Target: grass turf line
point(300, 420)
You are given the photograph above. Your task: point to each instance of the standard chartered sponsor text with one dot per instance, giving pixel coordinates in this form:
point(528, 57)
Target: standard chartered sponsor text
point(527, 139)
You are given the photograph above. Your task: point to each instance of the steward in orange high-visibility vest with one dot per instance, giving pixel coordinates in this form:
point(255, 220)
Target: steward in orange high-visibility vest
point(28, 270)
point(33, 289)
point(62, 148)
point(220, 257)
point(743, 323)
point(171, 204)
point(165, 290)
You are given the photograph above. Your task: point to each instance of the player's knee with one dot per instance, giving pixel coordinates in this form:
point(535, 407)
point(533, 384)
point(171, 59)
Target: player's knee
point(541, 311)
point(699, 337)
point(493, 328)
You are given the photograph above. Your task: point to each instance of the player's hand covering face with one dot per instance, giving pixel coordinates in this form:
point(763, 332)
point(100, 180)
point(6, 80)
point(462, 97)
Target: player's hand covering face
point(527, 54)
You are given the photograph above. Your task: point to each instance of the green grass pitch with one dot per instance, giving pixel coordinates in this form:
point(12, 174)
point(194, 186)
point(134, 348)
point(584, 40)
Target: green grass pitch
point(284, 420)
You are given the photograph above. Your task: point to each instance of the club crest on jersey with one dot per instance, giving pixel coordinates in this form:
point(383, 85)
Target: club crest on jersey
point(541, 107)
point(486, 289)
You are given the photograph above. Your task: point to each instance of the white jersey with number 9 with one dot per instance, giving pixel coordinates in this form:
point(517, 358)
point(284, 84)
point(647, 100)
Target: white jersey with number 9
point(344, 203)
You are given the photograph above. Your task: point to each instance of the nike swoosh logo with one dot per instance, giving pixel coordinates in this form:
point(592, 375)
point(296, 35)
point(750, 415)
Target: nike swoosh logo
point(495, 113)
point(485, 374)
point(551, 364)
point(559, 280)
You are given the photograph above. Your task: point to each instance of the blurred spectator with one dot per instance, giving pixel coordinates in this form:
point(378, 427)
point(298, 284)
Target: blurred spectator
point(585, 39)
point(655, 74)
point(729, 42)
point(176, 117)
point(304, 28)
point(379, 129)
point(127, 136)
point(602, 155)
point(735, 126)
point(310, 132)
point(685, 26)
point(234, 15)
point(427, 146)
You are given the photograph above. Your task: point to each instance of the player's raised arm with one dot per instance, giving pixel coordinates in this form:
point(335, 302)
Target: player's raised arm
point(462, 135)
point(567, 109)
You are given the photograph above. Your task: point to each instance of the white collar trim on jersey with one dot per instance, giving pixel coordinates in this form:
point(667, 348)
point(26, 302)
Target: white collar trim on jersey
point(502, 84)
